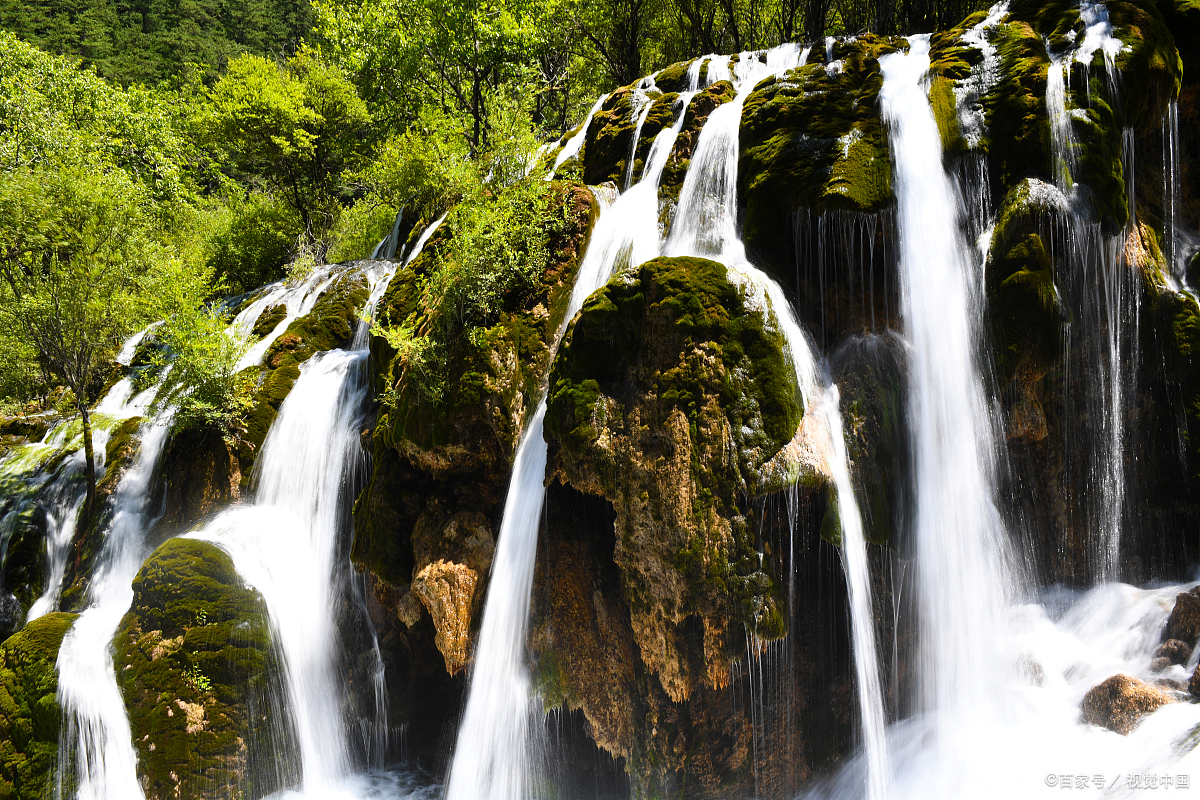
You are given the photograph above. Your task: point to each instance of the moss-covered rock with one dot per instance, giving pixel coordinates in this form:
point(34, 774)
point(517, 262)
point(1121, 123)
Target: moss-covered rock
point(120, 452)
point(29, 713)
point(492, 375)
point(870, 374)
point(1025, 314)
point(667, 397)
point(329, 325)
point(813, 139)
point(610, 139)
point(200, 474)
point(440, 465)
point(194, 662)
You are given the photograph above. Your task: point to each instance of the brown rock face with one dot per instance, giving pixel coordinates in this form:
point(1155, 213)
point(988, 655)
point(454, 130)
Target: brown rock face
point(448, 590)
point(1120, 702)
point(202, 474)
point(1184, 622)
point(1172, 651)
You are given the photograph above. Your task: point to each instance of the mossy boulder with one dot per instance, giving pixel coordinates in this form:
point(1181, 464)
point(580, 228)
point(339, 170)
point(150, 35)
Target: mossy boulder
point(30, 716)
point(491, 376)
point(870, 371)
point(694, 118)
point(1025, 314)
point(670, 392)
point(609, 138)
point(673, 78)
point(441, 461)
point(194, 662)
point(200, 473)
point(813, 139)
point(329, 325)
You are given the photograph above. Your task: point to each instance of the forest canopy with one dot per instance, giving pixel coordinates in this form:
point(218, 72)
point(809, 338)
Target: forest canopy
point(232, 144)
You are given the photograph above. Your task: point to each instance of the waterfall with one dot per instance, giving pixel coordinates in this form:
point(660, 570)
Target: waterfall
point(706, 225)
point(573, 145)
point(962, 564)
point(284, 545)
point(96, 756)
point(1176, 259)
point(1098, 281)
point(706, 219)
point(858, 582)
point(490, 757)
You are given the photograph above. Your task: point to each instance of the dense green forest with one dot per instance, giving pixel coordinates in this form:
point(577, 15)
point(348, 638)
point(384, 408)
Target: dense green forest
point(160, 155)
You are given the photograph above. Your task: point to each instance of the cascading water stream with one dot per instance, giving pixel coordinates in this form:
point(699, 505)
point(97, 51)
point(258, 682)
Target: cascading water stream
point(705, 225)
point(706, 220)
point(284, 545)
point(963, 574)
point(96, 756)
point(1098, 276)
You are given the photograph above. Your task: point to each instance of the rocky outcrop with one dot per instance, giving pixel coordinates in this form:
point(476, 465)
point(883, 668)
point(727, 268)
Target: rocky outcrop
point(1120, 702)
point(29, 713)
point(1184, 622)
point(201, 473)
point(1169, 653)
point(330, 324)
point(668, 395)
point(194, 663)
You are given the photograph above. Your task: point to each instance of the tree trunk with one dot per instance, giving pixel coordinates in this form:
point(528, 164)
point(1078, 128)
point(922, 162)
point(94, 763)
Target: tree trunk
point(89, 504)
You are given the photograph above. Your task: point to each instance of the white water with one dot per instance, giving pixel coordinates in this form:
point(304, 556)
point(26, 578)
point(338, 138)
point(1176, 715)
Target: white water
point(970, 91)
point(706, 219)
point(298, 300)
point(858, 583)
point(67, 496)
point(963, 575)
point(96, 756)
point(284, 545)
point(573, 145)
point(491, 755)
point(1095, 265)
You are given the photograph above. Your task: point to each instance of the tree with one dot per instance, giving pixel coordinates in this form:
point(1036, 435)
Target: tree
point(297, 127)
point(80, 275)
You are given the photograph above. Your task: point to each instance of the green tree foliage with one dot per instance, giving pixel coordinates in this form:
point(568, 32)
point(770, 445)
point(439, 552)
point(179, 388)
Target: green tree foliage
point(450, 53)
point(81, 273)
point(203, 382)
point(53, 112)
point(147, 41)
point(295, 128)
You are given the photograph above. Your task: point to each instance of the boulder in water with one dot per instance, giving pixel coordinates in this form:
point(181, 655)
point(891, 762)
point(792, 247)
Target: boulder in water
point(1120, 702)
point(1184, 622)
point(1172, 651)
point(194, 662)
point(29, 713)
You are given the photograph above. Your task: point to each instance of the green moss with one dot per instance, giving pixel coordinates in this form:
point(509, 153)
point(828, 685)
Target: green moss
point(673, 78)
point(329, 325)
point(193, 660)
point(268, 320)
point(675, 337)
point(1018, 128)
point(1025, 315)
point(29, 712)
point(498, 366)
point(610, 139)
point(813, 140)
